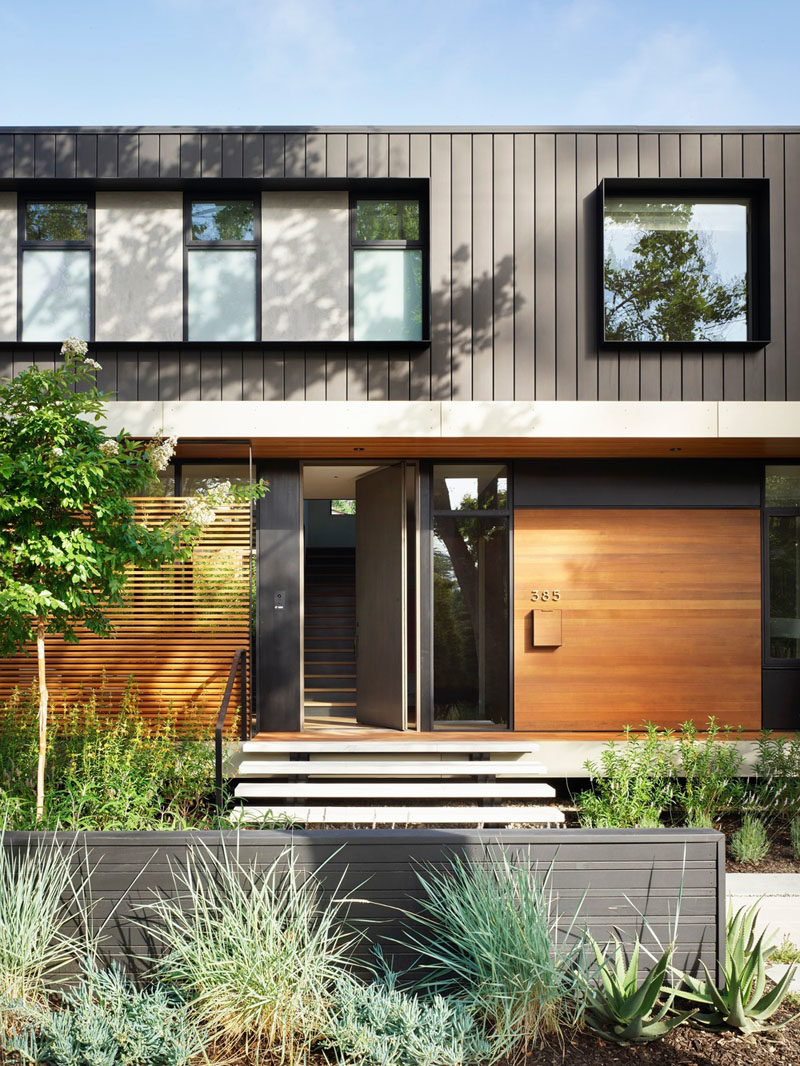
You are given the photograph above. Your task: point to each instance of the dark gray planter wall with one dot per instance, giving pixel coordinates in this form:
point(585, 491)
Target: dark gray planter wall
point(628, 880)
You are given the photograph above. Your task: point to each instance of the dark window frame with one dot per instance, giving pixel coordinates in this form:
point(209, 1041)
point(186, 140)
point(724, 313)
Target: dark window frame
point(423, 244)
point(756, 191)
point(25, 245)
point(428, 516)
point(190, 244)
point(777, 511)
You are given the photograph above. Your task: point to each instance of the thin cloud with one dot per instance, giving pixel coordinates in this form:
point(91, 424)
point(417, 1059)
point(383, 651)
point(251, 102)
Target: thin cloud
point(673, 78)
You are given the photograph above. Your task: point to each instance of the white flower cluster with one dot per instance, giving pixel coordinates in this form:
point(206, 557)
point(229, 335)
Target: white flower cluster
point(197, 511)
point(110, 447)
point(93, 364)
point(201, 510)
point(160, 450)
point(75, 346)
point(56, 452)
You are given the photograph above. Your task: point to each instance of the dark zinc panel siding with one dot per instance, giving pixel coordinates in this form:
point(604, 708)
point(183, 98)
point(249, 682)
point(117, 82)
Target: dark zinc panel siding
point(513, 252)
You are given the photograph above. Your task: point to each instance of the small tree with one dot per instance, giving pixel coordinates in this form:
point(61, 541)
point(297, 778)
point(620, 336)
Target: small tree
point(67, 525)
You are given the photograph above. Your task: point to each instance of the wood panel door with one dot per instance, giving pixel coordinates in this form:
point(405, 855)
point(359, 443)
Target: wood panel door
point(660, 618)
point(381, 599)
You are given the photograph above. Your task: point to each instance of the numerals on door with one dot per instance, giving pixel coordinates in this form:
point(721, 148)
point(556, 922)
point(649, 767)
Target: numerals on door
point(545, 595)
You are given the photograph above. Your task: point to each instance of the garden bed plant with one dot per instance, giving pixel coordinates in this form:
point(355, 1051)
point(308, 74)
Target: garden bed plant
point(660, 777)
point(257, 969)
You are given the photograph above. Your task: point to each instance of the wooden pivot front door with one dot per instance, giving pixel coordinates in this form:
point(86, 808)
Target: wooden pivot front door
point(381, 604)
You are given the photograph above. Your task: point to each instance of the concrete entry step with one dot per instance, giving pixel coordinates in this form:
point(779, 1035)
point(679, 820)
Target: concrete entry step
point(245, 766)
point(430, 790)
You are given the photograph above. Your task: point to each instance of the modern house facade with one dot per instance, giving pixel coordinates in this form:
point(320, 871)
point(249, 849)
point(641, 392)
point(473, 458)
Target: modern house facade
point(528, 402)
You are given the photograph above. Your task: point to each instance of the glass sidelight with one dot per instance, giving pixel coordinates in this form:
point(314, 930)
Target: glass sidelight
point(471, 559)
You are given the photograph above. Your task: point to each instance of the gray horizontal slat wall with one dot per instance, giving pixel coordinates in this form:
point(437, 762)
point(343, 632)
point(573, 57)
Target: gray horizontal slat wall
point(514, 284)
point(629, 880)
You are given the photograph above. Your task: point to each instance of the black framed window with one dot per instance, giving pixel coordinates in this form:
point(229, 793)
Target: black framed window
point(388, 266)
point(222, 270)
point(56, 268)
point(685, 262)
point(782, 564)
point(471, 579)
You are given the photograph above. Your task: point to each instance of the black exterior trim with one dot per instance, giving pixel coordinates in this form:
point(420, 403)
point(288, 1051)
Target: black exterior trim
point(754, 189)
point(638, 483)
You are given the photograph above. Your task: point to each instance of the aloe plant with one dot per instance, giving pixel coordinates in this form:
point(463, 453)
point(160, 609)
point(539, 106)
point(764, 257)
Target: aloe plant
point(622, 1009)
point(742, 1003)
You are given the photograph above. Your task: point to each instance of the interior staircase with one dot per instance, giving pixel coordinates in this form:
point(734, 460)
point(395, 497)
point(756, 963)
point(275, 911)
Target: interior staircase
point(330, 633)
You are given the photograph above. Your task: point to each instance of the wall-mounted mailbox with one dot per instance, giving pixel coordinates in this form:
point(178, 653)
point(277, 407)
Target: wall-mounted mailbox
point(546, 629)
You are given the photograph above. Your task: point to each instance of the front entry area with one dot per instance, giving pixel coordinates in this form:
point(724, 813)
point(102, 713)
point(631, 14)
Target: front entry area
point(359, 594)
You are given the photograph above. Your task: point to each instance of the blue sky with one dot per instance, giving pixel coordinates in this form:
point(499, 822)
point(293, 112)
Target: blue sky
point(421, 62)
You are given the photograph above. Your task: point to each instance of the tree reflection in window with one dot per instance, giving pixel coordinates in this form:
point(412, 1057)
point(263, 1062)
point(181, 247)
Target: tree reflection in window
point(470, 594)
point(675, 270)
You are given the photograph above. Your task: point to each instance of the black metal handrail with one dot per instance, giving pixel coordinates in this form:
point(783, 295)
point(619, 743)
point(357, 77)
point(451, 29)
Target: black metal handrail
point(239, 662)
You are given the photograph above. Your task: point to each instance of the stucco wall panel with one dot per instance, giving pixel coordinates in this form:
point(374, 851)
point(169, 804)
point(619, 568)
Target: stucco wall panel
point(305, 266)
point(139, 266)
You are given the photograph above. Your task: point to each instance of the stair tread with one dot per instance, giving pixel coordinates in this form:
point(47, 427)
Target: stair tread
point(403, 789)
point(389, 767)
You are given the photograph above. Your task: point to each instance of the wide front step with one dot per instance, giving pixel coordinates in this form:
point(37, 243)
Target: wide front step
point(247, 766)
point(399, 816)
point(441, 790)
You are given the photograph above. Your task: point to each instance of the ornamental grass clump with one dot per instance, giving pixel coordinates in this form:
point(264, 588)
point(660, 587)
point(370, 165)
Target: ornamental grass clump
point(489, 935)
point(40, 901)
point(254, 952)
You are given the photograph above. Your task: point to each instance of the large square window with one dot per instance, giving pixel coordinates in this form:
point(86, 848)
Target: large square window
point(222, 268)
point(56, 270)
point(684, 264)
point(388, 270)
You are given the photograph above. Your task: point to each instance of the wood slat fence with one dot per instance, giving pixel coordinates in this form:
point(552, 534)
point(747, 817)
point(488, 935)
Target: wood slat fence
point(174, 636)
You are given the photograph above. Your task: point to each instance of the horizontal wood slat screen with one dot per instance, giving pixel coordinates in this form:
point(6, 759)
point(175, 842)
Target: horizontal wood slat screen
point(661, 618)
point(175, 635)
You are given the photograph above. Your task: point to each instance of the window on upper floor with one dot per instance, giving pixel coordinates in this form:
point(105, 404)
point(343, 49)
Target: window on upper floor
point(388, 268)
point(684, 264)
point(55, 276)
point(222, 270)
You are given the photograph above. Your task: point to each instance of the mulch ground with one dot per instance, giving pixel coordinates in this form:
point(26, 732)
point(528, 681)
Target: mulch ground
point(683, 1047)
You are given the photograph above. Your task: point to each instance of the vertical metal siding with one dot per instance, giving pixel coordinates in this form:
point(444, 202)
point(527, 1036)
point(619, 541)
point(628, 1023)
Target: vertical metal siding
point(513, 260)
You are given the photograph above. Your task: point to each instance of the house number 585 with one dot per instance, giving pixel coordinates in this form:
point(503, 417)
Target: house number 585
point(543, 595)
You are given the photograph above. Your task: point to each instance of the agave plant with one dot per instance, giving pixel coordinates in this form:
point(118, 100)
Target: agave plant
point(742, 1002)
point(622, 1009)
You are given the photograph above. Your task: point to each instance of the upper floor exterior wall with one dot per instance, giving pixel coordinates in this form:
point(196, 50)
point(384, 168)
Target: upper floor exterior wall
point(513, 260)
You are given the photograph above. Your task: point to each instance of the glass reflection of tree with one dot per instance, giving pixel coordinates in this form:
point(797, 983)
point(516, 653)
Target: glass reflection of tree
point(669, 291)
point(229, 220)
point(784, 564)
point(471, 606)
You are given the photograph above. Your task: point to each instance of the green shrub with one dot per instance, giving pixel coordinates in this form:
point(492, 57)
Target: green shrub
point(489, 935)
point(106, 1021)
point(794, 833)
point(708, 770)
point(750, 842)
point(377, 1025)
point(777, 783)
point(39, 904)
point(634, 784)
point(254, 952)
point(123, 772)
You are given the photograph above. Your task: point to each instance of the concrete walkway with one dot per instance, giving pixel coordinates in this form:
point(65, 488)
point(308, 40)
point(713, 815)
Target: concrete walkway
point(778, 898)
